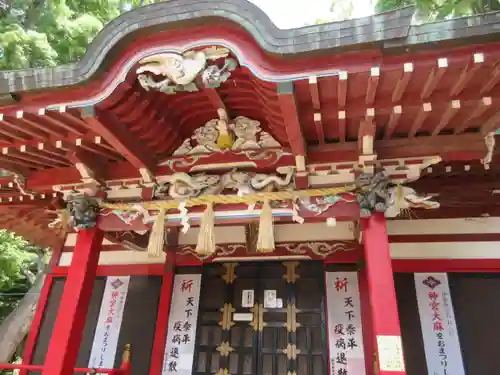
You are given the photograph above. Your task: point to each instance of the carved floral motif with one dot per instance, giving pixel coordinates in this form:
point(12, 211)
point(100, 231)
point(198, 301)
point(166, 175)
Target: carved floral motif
point(186, 72)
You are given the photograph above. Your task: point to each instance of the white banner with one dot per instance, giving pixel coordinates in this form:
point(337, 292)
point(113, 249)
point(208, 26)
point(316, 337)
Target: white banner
point(182, 322)
point(439, 330)
point(344, 324)
point(109, 323)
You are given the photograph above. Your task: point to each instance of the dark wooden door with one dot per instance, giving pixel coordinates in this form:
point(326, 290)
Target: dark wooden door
point(284, 335)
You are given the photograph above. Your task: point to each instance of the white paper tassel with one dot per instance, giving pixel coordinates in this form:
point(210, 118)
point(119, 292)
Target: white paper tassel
point(157, 236)
point(206, 237)
point(265, 239)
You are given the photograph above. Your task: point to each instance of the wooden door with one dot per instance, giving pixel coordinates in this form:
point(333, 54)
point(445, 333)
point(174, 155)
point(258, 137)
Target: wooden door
point(263, 318)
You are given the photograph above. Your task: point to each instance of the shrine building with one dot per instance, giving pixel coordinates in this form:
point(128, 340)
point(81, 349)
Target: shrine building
point(224, 197)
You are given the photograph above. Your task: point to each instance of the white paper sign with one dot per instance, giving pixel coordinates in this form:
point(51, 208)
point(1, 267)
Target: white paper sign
point(270, 299)
point(390, 353)
point(183, 319)
point(247, 298)
point(109, 322)
point(345, 336)
point(437, 319)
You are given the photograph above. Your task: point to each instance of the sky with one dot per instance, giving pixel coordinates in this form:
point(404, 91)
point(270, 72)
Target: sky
point(288, 14)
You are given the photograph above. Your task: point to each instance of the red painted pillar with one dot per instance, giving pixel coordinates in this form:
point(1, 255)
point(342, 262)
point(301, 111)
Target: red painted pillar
point(160, 338)
point(70, 322)
point(384, 311)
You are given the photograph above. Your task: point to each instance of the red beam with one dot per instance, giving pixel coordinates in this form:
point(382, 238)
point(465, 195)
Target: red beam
point(164, 308)
point(108, 126)
point(68, 329)
point(289, 112)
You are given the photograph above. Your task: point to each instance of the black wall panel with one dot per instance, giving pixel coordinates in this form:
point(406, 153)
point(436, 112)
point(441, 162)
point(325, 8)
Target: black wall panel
point(411, 332)
point(139, 321)
point(138, 325)
point(49, 318)
point(91, 322)
point(476, 301)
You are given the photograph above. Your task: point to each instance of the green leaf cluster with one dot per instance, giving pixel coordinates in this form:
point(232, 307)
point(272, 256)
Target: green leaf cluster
point(18, 265)
point(45, 33)
point(434, 10)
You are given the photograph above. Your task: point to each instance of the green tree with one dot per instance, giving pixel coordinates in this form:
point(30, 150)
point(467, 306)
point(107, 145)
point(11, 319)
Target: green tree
point(18, 267)
point(44, 33)
point(432, 10)
point(22, 273)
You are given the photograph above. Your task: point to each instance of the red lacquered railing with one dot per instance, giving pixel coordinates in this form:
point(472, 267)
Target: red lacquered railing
point(123, 370)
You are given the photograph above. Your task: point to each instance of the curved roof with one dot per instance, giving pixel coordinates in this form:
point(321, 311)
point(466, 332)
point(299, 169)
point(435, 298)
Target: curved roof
point(388, 30)
point(427, 89)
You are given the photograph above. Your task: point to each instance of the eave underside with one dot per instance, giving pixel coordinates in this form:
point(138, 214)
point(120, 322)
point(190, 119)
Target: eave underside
point(438, 102)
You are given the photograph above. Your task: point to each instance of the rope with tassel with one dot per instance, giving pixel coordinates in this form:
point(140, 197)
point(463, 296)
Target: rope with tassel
point(206, 244)
point(229, 199)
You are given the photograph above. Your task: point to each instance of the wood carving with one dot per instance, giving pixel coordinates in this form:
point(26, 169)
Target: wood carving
point(186, 72)
point(376, 193)
point(222, 134)
point(183, 185)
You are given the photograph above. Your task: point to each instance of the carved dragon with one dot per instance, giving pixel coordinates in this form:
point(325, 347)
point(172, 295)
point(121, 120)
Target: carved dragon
point(183, 185)
point(376, 193)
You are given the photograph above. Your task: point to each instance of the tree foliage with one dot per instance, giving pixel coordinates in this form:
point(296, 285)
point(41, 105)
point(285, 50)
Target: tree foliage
point(19, 264)
point(44, 33)
point(432, 10)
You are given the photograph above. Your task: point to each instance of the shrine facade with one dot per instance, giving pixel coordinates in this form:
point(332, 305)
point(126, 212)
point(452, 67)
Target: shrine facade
point(224, 197)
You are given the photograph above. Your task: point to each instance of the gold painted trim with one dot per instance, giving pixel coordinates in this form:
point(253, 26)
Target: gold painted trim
point(291, 318)
point(257, 322)
point(230, 275)
point(291, 351)
point(291, 274)
point(227, 314)
point(222, 371)
point(225, 349)
point(291, 373)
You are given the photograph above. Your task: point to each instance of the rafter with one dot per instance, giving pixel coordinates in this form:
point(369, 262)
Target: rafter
point(342, 89)
point(371, 89)
point(451, 110)
point(318, 124)
point(393, 121)
point(35, 133)
point(108, 127)
point(492, 124)
point(91, 167)
point(296, 141)
point(402, 83)
point(467, 73)
point(50, 117)
point(492, 82)
point(342, 126)
point(291, 120)
point(424, 111)
point(434, 78)
point(481, 107)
